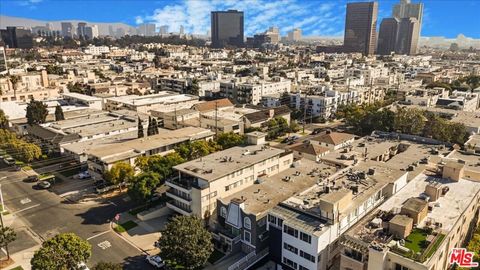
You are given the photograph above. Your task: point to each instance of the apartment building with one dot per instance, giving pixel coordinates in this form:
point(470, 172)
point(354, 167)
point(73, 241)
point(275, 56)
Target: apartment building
point(325, 104)
point(305, 229)
point(438, 213)
point(163, 100)
point(240, 222)
point(252, 92)
point(201, 182)
point(367, 72)
point(102, 158)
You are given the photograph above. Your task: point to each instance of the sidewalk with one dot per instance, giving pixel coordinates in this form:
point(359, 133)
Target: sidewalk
point(23, 248)
point(144, 234)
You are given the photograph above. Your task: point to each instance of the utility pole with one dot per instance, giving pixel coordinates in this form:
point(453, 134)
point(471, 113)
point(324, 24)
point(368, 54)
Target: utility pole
point(304, 112)
point(175, 117)
point(216, 119)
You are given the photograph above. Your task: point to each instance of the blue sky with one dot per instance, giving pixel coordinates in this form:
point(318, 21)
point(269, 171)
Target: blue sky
point(316, 17)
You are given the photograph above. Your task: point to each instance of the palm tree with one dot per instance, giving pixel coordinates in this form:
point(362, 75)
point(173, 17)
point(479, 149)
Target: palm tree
point(14, 79)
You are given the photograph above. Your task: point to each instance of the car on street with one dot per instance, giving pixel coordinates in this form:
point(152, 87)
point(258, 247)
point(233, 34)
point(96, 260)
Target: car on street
point(155, 261)
point(44, 184)
point(32, 178)
point(84, 175)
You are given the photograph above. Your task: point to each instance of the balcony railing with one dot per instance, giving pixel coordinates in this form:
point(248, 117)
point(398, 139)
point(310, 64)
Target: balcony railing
point(176, 194)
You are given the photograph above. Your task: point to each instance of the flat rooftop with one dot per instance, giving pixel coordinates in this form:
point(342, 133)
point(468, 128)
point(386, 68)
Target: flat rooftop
point(86, 146)
point(272, 190)
point(163, 97)
point(362, 180)
point(222, 163)
point(447, 209)
point(131, 148)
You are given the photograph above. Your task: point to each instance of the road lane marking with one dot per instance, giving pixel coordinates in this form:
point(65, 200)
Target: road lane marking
point(25, 209)
point(97, 235)
point(104, 245)
point(25, 201)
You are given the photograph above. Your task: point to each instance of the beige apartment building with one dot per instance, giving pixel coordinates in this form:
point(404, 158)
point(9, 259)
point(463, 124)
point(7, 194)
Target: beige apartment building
point(201, 182)
point(416, 229)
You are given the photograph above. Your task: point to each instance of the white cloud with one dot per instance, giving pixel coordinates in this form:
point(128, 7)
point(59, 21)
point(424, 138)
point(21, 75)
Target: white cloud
point(194, 15)
point(29, 3)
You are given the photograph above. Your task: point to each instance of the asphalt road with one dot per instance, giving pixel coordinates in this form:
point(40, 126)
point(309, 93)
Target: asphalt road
point(47, 214)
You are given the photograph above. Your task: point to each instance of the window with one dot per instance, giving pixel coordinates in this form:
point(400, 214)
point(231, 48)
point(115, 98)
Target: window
point(290, 248)
point(290, 263)
point(401, 267)
point(223, 212)
point(305, 237)
point(247, 236)
point(272, 219)
point(247, 223)
point(290, 231)
point(307, 256)
point(301, 267)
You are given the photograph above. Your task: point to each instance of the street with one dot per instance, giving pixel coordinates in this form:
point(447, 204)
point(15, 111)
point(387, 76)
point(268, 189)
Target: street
point(47, 214)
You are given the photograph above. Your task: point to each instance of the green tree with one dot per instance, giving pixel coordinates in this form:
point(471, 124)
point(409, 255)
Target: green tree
point(119, 173)
point(140, 129)
point(53, 69)
point(107, 266)
point(3, 120)
point(196, 149)
point(409, 121)
point(7, 235)
point(36, 112)
point(75, 88)
point(186, 242)
point(154, 126)
point(193, 88)
point(143, 187)
point(14, 79)
point(62, 252)
point(230, 139)
point(59, 113)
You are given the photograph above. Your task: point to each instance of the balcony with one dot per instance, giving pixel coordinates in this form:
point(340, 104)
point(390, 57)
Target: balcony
point(175, 206)
point(179, 196)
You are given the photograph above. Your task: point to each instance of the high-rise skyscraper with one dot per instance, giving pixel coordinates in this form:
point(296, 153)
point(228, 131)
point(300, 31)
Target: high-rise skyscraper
point(17, 37)
point(295, 34)
point(407, 36)
point(163, 29)
point(3, 61)
point(360, 27)
point(227, 28)
point(91, 32)
point(146, 29)
point(81, 29)
point(406, 10)
point(67, 29)
point(182, 30)
point(387, 36)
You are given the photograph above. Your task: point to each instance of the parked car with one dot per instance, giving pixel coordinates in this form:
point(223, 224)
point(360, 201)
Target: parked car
point(44, 184)
point(84, 175)
point(32, 178)
point(155, 261)
point(9, 161)
point(82, 266)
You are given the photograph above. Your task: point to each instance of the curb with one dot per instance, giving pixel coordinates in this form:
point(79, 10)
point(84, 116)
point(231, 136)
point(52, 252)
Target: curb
point(127, 240)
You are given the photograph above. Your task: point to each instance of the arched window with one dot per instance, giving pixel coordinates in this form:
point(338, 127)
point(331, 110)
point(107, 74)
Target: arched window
point(247, 223)
point(223, 212)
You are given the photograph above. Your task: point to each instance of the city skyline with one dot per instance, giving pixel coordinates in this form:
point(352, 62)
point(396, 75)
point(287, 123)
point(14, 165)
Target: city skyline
point(315, 18)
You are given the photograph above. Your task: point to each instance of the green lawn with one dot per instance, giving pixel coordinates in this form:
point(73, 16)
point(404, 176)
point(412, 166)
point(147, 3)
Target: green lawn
point(215, 256)
point(125, 226)
point(416, 241)
point(17, 268)
point(435, 246)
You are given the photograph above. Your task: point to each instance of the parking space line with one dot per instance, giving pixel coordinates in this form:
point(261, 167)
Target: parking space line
point(97, 235)
point(25, 209)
